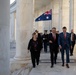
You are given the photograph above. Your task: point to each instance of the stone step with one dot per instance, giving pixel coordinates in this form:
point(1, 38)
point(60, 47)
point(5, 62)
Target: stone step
point(58, 61)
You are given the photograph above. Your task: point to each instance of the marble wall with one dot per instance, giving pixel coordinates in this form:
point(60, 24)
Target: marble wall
point(75, 16)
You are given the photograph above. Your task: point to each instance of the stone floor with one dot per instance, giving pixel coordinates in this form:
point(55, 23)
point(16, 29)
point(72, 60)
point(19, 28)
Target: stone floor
point(44, 67)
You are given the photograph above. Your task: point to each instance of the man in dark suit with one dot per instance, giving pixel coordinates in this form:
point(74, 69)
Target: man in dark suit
point(45, 40)
point(39, 38)
point(53, 42)
point(40, 45)
point(64, 44)
point(72, 37)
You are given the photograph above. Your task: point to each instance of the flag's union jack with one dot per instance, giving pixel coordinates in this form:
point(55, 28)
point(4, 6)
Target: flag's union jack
point(48, 12)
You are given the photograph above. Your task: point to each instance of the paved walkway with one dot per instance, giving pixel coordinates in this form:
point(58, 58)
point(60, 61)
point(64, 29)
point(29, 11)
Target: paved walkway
point(44, 67)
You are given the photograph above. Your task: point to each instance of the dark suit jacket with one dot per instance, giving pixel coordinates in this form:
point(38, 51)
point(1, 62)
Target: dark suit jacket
point(54, 44)
point(62, 40)
point(40, 41)
point(45, 38)
point(31, 45)
point(74, 38)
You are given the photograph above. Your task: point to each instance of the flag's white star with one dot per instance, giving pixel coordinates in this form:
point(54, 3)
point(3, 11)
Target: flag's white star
point(39, 18)
point(47, 17)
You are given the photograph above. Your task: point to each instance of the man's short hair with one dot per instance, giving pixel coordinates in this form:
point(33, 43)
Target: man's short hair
point(54, 28)
point(36, 31)
point(45, 30)
point(64, 28)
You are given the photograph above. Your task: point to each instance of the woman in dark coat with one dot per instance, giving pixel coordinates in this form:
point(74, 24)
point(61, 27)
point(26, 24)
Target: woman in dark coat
point(34, 50)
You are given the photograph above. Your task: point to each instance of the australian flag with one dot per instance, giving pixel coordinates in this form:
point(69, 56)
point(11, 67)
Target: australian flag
point(45, 16)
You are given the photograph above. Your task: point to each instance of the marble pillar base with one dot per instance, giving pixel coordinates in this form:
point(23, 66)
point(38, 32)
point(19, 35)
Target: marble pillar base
point(16, 64)
point(22, 58)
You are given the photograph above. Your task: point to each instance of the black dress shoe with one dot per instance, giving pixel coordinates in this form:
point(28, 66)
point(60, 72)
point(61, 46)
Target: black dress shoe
point(52, 66)
point(67, 65)
point(37, 63)
point(34, 66)
point(71, 54)
point(63, 65)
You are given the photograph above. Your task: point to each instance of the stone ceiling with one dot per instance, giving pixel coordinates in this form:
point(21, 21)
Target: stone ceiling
point(41, 3)
point(38, 4)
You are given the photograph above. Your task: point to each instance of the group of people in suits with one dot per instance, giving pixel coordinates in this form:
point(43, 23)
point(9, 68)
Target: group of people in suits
point(63, 41)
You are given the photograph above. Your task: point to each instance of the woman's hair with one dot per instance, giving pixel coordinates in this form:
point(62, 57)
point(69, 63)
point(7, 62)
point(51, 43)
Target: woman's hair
point(34, 34)
point(36, 31)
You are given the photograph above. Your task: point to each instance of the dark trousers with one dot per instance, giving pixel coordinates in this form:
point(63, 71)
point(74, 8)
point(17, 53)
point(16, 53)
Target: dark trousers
point(67, 54)
point(53, 57)
point(45, 46)
point(71, 50)
point(53, 52)
point(35, 58)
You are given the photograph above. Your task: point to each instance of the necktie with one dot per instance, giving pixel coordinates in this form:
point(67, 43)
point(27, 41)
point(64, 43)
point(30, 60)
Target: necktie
point(72, 37)
point(54, 36)
point(64, 38)
point(65, 35)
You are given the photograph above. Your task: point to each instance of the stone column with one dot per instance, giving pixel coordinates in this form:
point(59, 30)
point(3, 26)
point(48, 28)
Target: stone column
point(24, 27)
point(60, 16)
point(12, 27)
point(55, 14)
point(4, 36)
point(71, 14)
point(65, 13)
point(75, 16)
